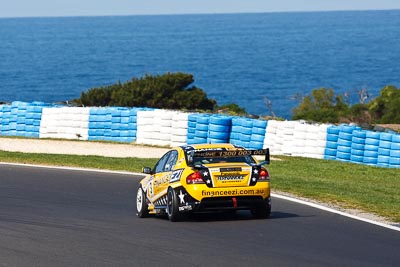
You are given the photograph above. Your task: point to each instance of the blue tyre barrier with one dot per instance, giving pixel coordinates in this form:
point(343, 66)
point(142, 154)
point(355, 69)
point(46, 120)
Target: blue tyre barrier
point(369, 153)
point(116, 112)
point(115, 126)
point(357, 146)
point(332, 137)
point(219, 128)
point(245, 137)
point(132, 126)
point(373, 135)
point(347, 129)
point(219, 135)
point(192, 121)
point(125, 113)
point(345, 149)
point(395, 146)
point(330, 152)
point(192, 117)
point(191, 135)
point(220, 120)
point(118, 124)
point(332, 145)
point(116, 119)
point(124, 119)
point(394, 161)
point(201, 134)
point(216, 141)
point(256, 145)
point(235, 136)
point(260, 131)
point(395, 153)
point(385, 144)
point(343, 142)
point(257, 138)
point(383, 151)
point(133, 118)
point(333, 130)
point(357, 152)
point(191, 141)
point(201, 127)
point(115, 133)
point(383, 165)
point(358, 140)
point(371, 147)
point(386, 137)
point(124, 127)
point(124, 133)
point(372, 141)
point(370, 160)
point(203, 119)
point(345, 136)
point(260, 124)
point(383, 159)
point(236, 128)
point(246, 131)
point(356, 158)
point(343, 155)
point(359, 134)
point(107, 125)
point(396, 138)
point(247, 123)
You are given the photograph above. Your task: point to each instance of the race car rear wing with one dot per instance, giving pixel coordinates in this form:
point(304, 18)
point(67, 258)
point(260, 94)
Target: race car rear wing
point(195, 154)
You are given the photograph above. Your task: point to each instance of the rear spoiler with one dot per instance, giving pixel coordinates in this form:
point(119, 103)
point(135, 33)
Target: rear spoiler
point(192, 155)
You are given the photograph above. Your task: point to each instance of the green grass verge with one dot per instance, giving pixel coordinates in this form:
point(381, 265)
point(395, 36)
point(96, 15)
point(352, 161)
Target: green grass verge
point(371, 189)
point(94, 162)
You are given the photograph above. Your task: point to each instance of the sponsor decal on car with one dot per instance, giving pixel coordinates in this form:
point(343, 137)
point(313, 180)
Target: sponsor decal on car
point(232, 192)
point(230, 169)
point(229, 153)
point(230, 178)
point(186, 207)
point(176, 175)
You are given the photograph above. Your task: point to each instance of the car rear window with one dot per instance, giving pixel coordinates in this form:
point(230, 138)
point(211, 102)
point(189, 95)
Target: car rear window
point(214, 160)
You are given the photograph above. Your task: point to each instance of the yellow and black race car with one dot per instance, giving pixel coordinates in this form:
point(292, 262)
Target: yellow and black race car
point(208, 177)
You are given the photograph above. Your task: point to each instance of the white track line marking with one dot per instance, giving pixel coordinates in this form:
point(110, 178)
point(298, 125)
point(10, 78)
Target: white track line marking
point(70, 168)
point(317, 206)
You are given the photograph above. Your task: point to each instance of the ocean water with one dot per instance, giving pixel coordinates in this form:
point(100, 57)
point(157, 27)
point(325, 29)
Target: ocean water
point(236, 58)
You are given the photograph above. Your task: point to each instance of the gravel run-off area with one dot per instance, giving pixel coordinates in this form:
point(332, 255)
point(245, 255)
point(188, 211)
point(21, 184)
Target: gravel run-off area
point(80, 148)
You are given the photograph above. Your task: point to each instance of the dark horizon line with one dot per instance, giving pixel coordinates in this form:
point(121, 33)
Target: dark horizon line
point(200, 13)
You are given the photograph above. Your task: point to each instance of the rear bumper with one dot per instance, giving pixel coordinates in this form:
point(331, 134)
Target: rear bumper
point(224, 200)
point(202, 191)
point(230, 203)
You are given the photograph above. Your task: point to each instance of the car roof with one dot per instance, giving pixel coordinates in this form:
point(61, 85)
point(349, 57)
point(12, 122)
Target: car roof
point(208, 146)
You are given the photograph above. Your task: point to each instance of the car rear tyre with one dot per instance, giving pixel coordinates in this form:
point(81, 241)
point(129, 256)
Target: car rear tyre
point(172, 206)
point(262, 211)
point(142, 210)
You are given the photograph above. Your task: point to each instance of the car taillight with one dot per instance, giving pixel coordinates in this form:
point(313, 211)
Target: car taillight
point(195, 178)
point(264, 175)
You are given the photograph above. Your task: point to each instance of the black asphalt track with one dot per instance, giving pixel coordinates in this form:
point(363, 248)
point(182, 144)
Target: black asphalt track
point(53, 217)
